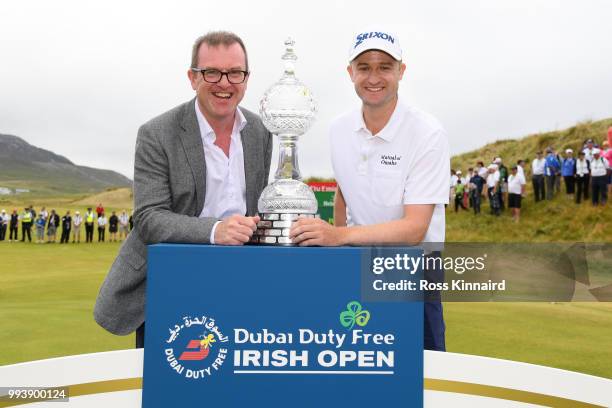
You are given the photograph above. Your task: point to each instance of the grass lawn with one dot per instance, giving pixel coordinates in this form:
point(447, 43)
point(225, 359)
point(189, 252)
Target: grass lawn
point(47, 294)
point(571, 336)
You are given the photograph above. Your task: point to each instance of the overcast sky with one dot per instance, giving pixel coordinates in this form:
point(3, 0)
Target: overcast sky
point(79, 78)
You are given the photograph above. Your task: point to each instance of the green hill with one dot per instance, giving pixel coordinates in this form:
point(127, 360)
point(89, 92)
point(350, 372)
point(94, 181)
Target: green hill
point(511, 150)
point(559, 220)
point(44, 173)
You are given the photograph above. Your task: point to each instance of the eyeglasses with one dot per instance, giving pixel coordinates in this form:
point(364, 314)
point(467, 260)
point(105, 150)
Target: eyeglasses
point(214, 76)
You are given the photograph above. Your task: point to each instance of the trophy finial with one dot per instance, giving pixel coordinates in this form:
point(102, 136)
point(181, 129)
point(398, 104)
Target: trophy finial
point(289, 57)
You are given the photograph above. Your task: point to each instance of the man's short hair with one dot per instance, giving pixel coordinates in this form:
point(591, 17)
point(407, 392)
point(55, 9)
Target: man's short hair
point(215, 39)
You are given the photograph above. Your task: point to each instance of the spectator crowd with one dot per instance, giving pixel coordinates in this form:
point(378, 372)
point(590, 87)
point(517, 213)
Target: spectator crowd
point(45, 226)
point(588, 174)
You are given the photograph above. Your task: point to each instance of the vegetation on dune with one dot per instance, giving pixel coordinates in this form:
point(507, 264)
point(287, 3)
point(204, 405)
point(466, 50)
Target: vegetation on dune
point(525, 148)
point(558, 220)
point(113, 199)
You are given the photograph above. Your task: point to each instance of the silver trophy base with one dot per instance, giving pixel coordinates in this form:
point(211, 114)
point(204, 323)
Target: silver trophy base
point(273, 228)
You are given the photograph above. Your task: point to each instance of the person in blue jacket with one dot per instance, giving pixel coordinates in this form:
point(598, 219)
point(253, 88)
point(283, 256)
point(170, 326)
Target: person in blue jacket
point(568, 171)
point(40, 229)
point(551, 168)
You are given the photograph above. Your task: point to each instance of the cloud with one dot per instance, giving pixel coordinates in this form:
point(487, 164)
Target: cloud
point(79, 78)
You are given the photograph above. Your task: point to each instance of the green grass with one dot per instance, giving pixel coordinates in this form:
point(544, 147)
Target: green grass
point(571, 336)
point(47, 294)
point(559, 220)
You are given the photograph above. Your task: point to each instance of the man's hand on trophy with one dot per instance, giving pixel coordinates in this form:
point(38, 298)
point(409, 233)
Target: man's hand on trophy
point(235, 230)
point(315, 231)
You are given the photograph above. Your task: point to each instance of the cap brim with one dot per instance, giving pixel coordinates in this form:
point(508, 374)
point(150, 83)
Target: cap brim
point(355, 55)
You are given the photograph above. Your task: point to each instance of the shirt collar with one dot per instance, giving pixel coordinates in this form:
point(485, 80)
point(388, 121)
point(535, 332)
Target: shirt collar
point(389, 131)
point(207, 131)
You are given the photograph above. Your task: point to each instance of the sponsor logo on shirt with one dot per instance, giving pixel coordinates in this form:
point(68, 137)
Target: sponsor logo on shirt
point(390, 159)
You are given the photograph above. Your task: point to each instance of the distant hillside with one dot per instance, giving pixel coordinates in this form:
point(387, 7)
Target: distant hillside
point(525, 148)
point(43, 172)
point(559, 220)
point(121, 198)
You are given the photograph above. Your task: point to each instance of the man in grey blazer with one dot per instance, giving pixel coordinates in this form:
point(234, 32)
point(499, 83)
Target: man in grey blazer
point(198, 173)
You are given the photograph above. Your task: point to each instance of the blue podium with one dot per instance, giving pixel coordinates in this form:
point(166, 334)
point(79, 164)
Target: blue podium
point(275, 327)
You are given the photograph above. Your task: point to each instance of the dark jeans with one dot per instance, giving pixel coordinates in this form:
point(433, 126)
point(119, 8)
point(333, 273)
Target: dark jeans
point(476, 201)
point(26, 230)
point(582, 188)
point(101, 231)
point(433, 324)
point(550, 186)
point(65, 235)
point(569, 184)
point(538, 187)
point(459, 202)
point(89, 232)
point(2, 232)
point(599, 184)
point(14, 233)
point(493, 202)
point(140, 333)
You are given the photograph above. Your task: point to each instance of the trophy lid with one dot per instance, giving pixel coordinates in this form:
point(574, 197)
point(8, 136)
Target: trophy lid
point(288, 107)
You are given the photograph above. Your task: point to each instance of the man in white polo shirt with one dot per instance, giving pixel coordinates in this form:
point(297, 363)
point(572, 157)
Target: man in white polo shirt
point(391, 162)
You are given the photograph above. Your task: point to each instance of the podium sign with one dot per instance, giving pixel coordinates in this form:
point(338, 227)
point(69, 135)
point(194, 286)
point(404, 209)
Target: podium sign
point(277, 327)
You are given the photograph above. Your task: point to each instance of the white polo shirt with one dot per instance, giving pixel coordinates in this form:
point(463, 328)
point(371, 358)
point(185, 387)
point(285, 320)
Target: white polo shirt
point(493, 179)
point(588, 153)
point(407, 162)
point(537, 167)
point(515, 184)
point(599, 167)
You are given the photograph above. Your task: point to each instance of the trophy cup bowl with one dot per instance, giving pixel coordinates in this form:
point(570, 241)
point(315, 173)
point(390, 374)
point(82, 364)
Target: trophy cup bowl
point(287, 109)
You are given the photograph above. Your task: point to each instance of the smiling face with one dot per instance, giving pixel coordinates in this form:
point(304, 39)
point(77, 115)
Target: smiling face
point(376, 77)
point(218, 101)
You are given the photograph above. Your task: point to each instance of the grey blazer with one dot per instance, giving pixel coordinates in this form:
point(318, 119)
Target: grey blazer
point(169, 191)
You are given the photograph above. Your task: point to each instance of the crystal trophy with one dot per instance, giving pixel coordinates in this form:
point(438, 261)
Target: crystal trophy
point(287, 109)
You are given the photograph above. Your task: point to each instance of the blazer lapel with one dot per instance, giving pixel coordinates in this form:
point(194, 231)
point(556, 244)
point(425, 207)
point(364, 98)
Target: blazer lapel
point(250, 153)
point(194, 150)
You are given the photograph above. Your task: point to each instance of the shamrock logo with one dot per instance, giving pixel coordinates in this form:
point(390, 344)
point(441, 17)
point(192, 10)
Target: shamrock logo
point(354, 315)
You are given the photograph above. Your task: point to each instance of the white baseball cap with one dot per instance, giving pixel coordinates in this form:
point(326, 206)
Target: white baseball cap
point(497, 160)
point(375, 39)
point(569, 151)
point(596, 151)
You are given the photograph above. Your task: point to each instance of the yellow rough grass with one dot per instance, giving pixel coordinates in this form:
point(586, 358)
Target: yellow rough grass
point(116, 198)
